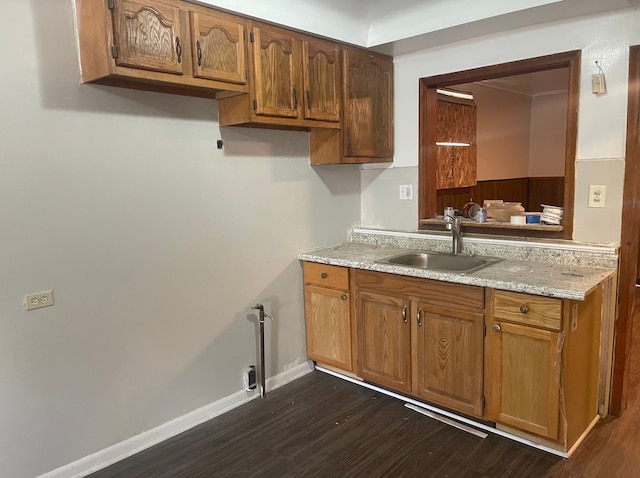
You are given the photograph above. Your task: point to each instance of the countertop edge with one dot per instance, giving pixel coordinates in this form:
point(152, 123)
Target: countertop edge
point(468, 279)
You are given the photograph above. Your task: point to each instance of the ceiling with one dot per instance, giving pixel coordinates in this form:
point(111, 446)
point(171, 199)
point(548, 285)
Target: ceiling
point(403, 26)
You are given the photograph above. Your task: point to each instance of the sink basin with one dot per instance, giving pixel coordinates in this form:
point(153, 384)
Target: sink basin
point(440, 261)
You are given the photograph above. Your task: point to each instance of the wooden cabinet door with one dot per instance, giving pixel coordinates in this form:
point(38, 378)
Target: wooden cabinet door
point(276, 70)
point(368, 106)
point(321, 76)
point(525, 378)
point(218, 47)
point(328, 314)
point(147, 35)
point(384, 340)
point(456, 165)
point(450, 357)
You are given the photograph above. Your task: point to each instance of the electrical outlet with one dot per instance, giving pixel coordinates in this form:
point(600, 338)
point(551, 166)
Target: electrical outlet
point(38, 300)
point(597, 195)
point(406, 191)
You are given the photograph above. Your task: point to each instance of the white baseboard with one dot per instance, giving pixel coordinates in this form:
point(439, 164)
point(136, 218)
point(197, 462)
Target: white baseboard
point(108, 456)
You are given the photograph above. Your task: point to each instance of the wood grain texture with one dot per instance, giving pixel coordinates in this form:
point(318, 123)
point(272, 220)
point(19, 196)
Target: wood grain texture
point(531, 192)
point(368, 105)
point(456, 165)
point(321, 426)
point(276, 71)
point(321, 77)
point(450, 358)
point(149, 36)
point(544, 312)
point(525, 379)
point(147, 24)
point(325, 275)
point(219, 50)
point(629, 239)
point(384, 340)
point(328, 326)
point(611, 449)
point(581, 360)
point(431, 291)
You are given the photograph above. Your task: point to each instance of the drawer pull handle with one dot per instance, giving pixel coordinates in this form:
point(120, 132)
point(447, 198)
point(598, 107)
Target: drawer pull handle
point(343, 297)
point(324, 276)
point(524, 309)
point(497, 328)
point(419, 318)
point(404, 314)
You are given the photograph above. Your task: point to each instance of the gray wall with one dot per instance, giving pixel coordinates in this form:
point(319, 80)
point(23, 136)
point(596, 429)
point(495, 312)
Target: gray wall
point(154, 242)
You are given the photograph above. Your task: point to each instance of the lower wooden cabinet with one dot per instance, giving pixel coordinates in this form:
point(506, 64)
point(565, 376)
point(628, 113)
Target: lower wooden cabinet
point(449, 357)
point(542, 357)
point(384, 340)
point(422, 337)
point(528, 363)
point(328, 315)
point(526, 378)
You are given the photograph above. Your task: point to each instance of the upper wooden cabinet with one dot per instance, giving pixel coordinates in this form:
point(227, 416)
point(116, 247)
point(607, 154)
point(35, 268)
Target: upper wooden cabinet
point(456, 159)
point(366, 134)
point(162, 45)
point(321, 77)
point(219, 51)
point(148, 36)
point(294, 82)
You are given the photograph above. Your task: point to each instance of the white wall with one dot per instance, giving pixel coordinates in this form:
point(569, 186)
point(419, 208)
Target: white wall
point(502, 133)
point(154, 242)
point(548, 135)
point(601, 121)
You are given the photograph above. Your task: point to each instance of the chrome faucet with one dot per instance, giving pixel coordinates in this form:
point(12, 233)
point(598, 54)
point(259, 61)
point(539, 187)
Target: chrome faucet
point(456, 235)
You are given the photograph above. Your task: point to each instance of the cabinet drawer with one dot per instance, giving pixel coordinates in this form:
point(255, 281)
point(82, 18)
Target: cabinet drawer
point(528, 309)
point(324, 275)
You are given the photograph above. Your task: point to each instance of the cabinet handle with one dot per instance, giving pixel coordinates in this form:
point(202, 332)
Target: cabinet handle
point(179, 49)
point(404, 314)
point(497, 328)
point(524, 309)
point(323, 275)
point(419, 318)
point(308, 100)
point(199, 52)
point(295, 99)
point(343, 297)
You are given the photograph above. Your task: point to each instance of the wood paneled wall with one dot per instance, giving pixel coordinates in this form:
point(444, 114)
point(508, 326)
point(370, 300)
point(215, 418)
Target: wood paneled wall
point(531, 192)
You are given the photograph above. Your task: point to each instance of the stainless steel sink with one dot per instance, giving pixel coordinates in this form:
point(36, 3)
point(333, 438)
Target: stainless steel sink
point(440, 261)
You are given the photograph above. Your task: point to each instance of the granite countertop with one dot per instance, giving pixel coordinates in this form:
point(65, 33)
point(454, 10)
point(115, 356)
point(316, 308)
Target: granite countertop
point(551, 280)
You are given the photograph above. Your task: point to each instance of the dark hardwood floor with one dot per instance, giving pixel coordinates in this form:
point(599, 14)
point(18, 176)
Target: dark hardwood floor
point(322, 426)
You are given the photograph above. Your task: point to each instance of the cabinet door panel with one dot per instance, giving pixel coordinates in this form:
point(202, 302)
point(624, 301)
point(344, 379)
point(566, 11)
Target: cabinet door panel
point(276, 57)
point(384, 340)
point(368, 106)
point(219, 49)
point(456, 165)
point(525, 378)
point(148, 36)
point(450, 358)
point(321, 80)
point(328, 326)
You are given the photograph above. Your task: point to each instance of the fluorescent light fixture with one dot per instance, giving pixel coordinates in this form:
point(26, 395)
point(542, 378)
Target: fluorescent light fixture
point(455, 94)
point(439, 143)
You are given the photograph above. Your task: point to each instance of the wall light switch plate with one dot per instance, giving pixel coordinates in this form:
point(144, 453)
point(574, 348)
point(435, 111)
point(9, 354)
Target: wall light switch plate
point(597, 195)
point(406, 191)
point(38, 300)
